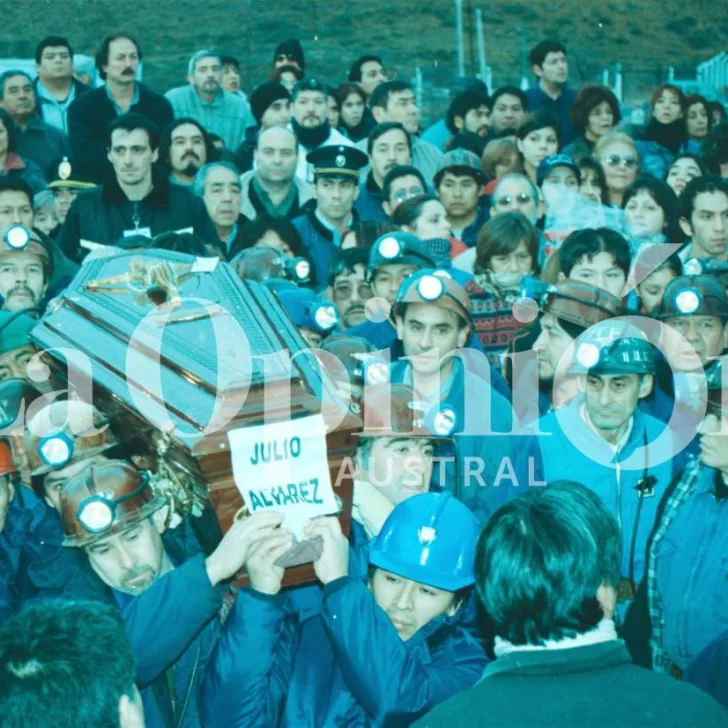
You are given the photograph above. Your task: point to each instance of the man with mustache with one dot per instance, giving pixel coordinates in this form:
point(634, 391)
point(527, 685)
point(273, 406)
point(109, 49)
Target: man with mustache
point(90, 115)
point(36, 140)
point(349, 288)
point(388, 146)
point(138, 199)
point(608, 438)
point(203, 99)
point(311, 126)
point(25, 269)
point(185, 146)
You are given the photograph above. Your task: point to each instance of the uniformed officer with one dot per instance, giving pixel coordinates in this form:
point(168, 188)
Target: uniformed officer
point(25, 269)
point(382, 650)
point(605, 437)
point(686, 604)
point(70, 178)
point(335, 187)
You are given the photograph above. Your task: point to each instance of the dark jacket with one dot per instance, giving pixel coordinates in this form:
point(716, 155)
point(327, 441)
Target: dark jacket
point(594, 686)
point(101, 215)
point(42, 143)
point(346, 666)
point(560, 108)
point(91, 113)
point(709, 671)
point(40, 101)
point(16, 167)
point(369, 203)
point(171, 625)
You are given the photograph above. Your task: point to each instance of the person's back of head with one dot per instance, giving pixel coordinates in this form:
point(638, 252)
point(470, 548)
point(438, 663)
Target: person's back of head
point(67, 663)
point(547, 564)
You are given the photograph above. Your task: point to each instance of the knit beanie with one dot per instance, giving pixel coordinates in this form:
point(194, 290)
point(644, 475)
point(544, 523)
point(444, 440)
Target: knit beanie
point(264, 96)
point(292, 48)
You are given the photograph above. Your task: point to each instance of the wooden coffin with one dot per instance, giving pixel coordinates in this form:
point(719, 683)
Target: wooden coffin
point(126, 312)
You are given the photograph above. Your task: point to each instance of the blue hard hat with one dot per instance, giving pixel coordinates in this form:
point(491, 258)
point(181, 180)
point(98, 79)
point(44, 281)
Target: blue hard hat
point(307, 310)
point(429, 538)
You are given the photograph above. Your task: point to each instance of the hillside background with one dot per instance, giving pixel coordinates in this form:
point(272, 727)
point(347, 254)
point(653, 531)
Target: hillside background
point(646, 36)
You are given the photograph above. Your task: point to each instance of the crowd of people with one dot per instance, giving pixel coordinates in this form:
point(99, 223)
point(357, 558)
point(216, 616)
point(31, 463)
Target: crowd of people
point(527, 302)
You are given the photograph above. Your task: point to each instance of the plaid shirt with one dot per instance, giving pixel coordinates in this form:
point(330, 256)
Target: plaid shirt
point(676, 498)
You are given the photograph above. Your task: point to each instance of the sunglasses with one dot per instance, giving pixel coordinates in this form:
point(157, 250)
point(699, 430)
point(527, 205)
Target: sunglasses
point(614, 160)
point(402, 195)
point(522, 199)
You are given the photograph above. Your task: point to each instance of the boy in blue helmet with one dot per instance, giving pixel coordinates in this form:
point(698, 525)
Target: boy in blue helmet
point(314, 317)
point(382, 652)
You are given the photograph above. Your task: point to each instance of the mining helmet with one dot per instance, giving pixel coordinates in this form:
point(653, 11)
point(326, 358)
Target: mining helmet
point(353, 352)
point(717, 391)
point(578, 303)
point(393, 410)
point(613, 348)
point(436, 287)
point(18, 239)
point(431, 539)
point(104, 499)
point(260, 263)
point(64, 432)
point(7, 463)
point(308, 311)
point(398, 248)
point(699, 295)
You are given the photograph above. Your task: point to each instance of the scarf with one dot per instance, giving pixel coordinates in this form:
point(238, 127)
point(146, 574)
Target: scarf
point(671, 136)
point(280, 210)
point(605, 631)
point(311, 138)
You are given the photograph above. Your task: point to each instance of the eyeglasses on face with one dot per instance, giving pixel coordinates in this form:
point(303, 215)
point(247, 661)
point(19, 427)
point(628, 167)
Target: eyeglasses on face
point(614, 160)
point(343, 291)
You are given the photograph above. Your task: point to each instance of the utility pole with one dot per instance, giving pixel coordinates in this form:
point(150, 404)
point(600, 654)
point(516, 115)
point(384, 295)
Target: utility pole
point(524, 59)
point(459, 36)
point(482, 68)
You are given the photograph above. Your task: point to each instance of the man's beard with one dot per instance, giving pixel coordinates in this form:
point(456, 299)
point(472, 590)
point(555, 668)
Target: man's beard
point(191, 169)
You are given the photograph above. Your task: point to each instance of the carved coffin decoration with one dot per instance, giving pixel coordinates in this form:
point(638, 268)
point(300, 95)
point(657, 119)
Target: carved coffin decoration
point(120, 311)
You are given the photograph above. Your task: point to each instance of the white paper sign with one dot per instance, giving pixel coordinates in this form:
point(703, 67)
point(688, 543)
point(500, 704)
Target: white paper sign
point(283, 466)
point(204, 265)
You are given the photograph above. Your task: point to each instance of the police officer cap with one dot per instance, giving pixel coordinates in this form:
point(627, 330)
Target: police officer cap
point(337, 160)
point(699, 295)
point(400, 248)
point(71, 174)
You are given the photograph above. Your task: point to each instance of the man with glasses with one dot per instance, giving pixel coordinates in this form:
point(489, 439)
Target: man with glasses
point(515, 193)
point(348, 287)
point(401, 183)
point(388, 145)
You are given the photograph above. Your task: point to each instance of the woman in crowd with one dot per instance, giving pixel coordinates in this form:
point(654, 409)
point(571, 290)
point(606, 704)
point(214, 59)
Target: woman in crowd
point(697, 117)
point(537, 138)
point(651, 213)
point(354, 121)
point(425, 216)
point(593, 181)
point(506, 251)
point(11, 163)
point(499, 158)
point(684, 168)
point(270, 232)
point(594, 113)
point(617, 154)
point(666, 133)
point(289, 75)
point(363, 233)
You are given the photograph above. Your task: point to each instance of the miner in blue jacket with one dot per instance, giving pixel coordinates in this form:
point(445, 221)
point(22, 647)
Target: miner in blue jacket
point(432, 316)
point(335, 188)
point(603, 436)
point(168, 593)
point(381, 652)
